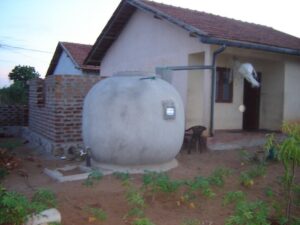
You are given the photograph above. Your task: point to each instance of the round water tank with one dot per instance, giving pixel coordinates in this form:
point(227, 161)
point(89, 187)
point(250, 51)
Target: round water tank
point(133, 120)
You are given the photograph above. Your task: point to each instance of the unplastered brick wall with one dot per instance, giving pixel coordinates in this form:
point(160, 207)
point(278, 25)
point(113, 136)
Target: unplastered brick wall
point(55, 108)
point(13, 115)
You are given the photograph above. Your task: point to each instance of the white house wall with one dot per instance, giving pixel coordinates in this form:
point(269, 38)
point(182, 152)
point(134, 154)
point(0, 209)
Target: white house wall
point(195, 92)
point(147, 43)
point(292, 91)
point(271, 96)
point(66, 66)
point(227, 115)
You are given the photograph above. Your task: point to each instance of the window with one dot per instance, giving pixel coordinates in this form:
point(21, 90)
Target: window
point(224, 85)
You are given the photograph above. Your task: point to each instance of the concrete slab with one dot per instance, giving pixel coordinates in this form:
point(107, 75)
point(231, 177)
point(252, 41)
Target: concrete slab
point(83, 172)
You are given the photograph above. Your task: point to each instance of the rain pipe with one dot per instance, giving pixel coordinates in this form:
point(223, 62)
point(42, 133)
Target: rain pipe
point(212, 67)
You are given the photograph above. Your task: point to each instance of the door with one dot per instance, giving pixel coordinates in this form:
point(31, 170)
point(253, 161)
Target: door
point(251, 103)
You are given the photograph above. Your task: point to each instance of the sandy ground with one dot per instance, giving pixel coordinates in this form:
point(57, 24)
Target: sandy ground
point(109, 194)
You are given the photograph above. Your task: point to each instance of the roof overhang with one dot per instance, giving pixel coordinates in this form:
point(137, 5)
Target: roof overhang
point(127, 7)
point(248, 45)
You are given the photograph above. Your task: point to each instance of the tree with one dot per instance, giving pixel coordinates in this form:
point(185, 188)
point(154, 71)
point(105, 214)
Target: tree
point(14, 94)
point(17, 93)
point(23, 74)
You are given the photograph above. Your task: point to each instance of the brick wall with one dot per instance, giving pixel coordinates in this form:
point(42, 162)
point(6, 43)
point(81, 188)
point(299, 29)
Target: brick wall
point(55, 107)
point(13, 115)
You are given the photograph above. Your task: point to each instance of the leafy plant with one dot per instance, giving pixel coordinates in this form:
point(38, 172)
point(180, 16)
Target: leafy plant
point(136, 202)
point(257, 171)
point(200, 183)
point(234, 197)
point(270, 147)
point(3, 173)
point(142, 221)
point(134, 198)
point(98, 213)
point(121, 176)
point(247, 177)
point(269, 192)
point(191, 222)
point(218, 175)
point(15, 207)
point(249, 213)
point(11, 144)
point(246, 156)
point(93, 177)
point(135, 212)
point(45, 198)
point(289, 155)
point(160, 182)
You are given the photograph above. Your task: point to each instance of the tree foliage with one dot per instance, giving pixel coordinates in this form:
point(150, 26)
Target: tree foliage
point(17, 93)
point(23, 74)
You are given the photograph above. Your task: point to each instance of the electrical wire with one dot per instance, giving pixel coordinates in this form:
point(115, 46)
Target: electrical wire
point(26, 49)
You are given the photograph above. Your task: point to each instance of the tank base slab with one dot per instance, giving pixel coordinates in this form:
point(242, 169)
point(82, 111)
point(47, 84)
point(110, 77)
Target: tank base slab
point(136, 169)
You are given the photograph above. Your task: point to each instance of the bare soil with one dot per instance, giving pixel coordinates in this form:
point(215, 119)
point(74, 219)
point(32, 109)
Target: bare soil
point(109, 194)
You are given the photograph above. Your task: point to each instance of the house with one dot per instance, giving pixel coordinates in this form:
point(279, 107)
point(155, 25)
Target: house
point(55, 103)
point(143, 35)
point(69, 58)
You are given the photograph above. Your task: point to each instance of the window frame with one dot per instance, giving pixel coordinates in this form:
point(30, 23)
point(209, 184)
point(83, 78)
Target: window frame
point(220, 98)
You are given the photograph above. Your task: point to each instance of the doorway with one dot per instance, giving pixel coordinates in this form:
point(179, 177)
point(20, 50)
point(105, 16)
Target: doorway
point(252, 105)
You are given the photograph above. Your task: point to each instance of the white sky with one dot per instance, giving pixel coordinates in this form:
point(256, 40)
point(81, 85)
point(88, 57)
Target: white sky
point(40, 24)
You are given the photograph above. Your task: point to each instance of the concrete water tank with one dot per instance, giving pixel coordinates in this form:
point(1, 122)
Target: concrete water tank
point(133, 123)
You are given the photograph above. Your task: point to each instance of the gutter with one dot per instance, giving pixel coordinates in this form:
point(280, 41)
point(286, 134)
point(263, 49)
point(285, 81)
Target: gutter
point(247, 45)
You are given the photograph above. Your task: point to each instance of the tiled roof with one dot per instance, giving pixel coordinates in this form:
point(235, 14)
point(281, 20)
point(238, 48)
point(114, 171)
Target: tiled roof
point(210, 29)
point(76, 52)
point(231, 29)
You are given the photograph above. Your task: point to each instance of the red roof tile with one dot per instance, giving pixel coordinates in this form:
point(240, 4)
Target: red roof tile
point(208, 27)
point(77, 53)
point(226, 28)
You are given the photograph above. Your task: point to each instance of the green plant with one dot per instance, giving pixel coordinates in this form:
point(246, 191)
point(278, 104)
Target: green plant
point(135, 198)
point(246, 180)
point(121, 176)
point(249, 213)
point(200, 183)
point(93, 177)
point(142, 221)
point(190, 222)
point(44, 198)
point(289, 156)
point(246, 156)
point(136, 202)
point(98, 213)
point(269, 192)
point(135, 212)
point(14, 208)
point(270, 147)
point(3, 173)
point(160, 182)
point(10, 144)
point(234, 197)
point(257, 171)
point(218, 175)
point(247, 177)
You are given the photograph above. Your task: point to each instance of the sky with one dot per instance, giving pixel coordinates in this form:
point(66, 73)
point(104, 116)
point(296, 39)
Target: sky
point(31, 29)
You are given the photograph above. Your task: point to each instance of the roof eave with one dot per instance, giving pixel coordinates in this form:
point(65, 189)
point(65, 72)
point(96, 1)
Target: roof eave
point(248, 45)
